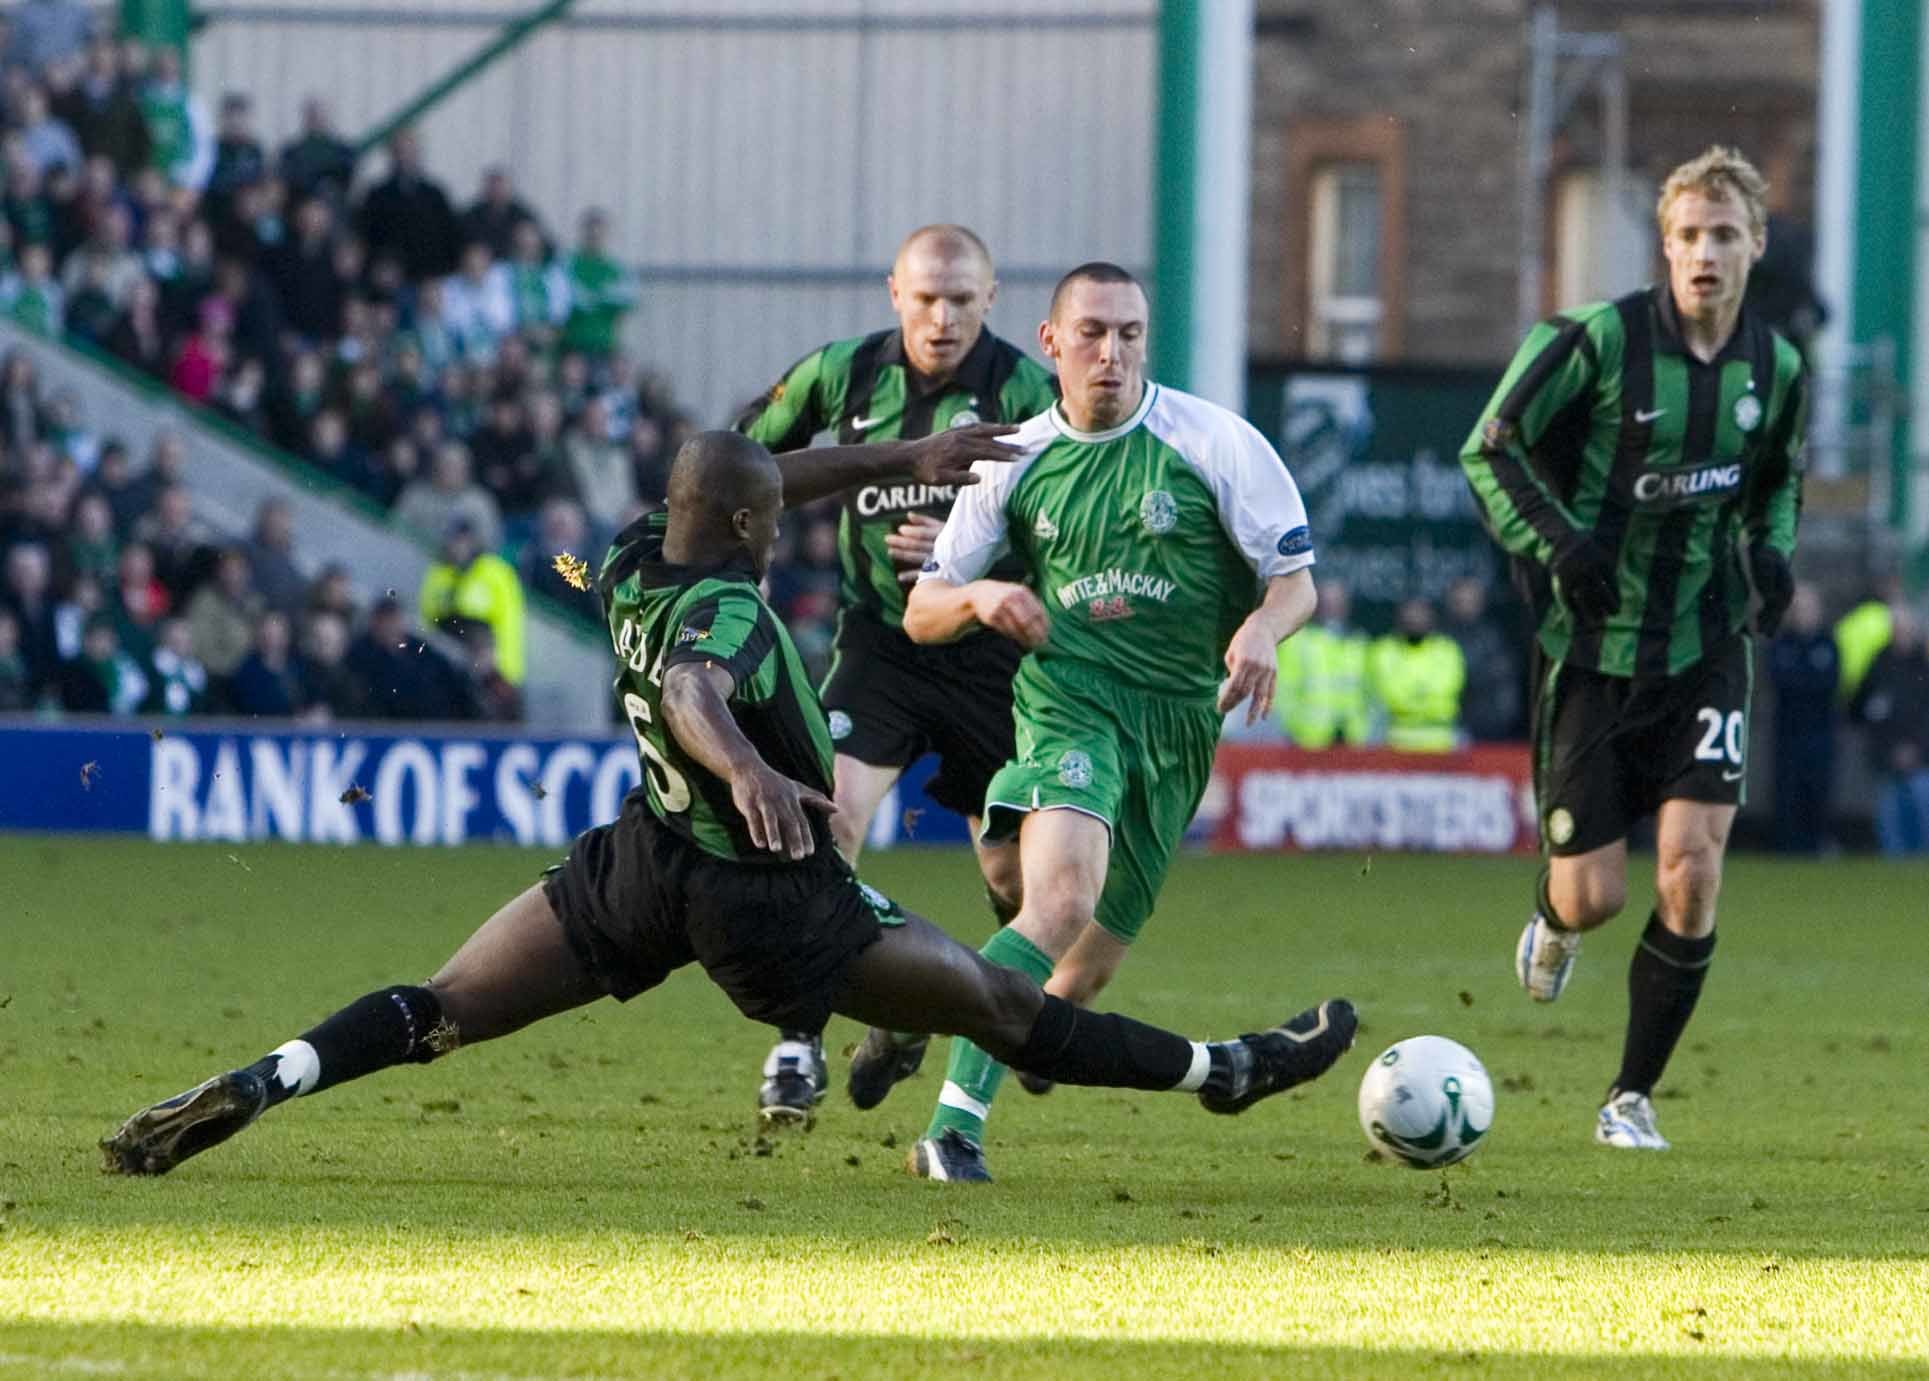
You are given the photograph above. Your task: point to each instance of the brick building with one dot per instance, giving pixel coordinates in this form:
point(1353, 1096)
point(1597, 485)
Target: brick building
point(1387, 167)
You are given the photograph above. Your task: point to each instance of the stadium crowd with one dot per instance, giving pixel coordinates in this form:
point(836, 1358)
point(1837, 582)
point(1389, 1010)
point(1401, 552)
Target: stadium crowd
point(453, 367)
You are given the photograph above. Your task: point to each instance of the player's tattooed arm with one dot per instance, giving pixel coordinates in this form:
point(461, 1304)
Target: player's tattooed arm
point(1252, 662)
point(942, 458)
point(696, 708)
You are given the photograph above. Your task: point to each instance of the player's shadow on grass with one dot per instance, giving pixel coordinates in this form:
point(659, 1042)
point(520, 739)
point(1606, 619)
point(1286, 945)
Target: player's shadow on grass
point(404, 1347)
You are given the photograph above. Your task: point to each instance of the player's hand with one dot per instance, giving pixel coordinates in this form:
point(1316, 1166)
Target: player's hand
point(1252, 672)
point(946, 457)
point(1774, 582)
point(1590, 584)
point(1012, 610)
point(912, 544)
point(774, 807)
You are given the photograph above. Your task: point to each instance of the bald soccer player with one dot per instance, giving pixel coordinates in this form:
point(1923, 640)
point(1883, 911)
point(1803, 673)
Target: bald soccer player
point(722, 856)
point(890, 700)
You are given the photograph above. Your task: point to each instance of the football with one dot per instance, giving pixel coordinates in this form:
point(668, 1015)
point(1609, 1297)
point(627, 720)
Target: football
point(1426, 1101)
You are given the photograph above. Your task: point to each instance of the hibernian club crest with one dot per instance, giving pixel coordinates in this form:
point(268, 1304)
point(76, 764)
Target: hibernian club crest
point(1159, 512)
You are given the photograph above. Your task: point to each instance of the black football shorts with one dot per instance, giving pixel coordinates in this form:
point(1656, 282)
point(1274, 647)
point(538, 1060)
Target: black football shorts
point(1608, 750)
point(891, 701)
point(637, 901)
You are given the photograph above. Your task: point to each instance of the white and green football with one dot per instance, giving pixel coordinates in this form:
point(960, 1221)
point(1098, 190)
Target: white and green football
point(1426, 1101)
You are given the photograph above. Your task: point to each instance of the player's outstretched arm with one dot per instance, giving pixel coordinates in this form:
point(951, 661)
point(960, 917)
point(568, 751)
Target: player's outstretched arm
point(696, 707)
point(1252, 661)
point(942, 458)
point(940, 612)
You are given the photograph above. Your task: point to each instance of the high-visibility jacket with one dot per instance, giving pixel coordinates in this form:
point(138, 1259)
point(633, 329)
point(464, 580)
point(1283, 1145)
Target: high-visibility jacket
point(487, 590)
point(1859, 635)
point(1419, 686)
point(1322, 687)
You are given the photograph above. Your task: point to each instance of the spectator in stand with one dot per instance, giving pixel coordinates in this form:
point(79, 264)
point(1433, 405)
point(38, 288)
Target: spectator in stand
point(1864, 631)
point(82, 597)
point(254, 318)
point(140, 602)
point(318, 162)
point(17, 690)
point(90, 547)
point(177, 124)
point(408, 214)
point(293, 406)
point(183, 294)
point(428, 507)
point(1892, 704)
point(90, 310)
point(539, 285)
point(334, 593)
point(471, 583)
point(333, 692)
point(222, 617)
point(332, 449)
point(604, 478)
point(478, 306)
point(271, 558)
point(176, 537)
point(498, 699)
point(601, 293)
point(102, 679)
point(496, 215)
point(368, 409)
point(36, 300)
point(106, 259)
point(241, 397)
point(561, 529)
point(238, 157)
point(1322, 689)
point(1417, 676)
point(114, 478)
point(1493, 709)
point(136, 337)
point(268, 682)
point(203, 356)
point(19, 401)
point(103, 110)
point(404, 677)
point(180, 682)
point(498, 448)
point(41, 33)
point(45, 139)
point(29, 598)
point(304, 275)
point(1804, 666)
point(63, 428)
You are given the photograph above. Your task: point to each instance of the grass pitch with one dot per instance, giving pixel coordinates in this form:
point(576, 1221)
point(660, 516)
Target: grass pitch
point(590, 1198)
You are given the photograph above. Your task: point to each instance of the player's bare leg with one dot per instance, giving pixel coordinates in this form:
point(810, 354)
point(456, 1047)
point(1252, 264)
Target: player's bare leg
point(916, 973)
point(516, 969)
point(1577, 894)
point(1669, 965)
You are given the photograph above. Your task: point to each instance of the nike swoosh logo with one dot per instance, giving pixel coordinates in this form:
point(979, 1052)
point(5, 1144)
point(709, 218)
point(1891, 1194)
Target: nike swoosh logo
point(864, 424)
point(1649, 416)
point(1734, 776)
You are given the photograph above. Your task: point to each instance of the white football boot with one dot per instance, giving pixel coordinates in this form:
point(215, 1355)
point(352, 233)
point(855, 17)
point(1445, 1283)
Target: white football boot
point(1627, 1121)
point(1544, 958)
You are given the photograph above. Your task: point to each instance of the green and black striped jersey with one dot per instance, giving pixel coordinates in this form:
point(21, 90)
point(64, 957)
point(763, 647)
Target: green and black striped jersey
point(864, 390)
point(1605, 424)
point(661, 615)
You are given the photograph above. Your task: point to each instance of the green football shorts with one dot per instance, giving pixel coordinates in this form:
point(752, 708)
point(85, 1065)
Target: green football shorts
point(1139, 762)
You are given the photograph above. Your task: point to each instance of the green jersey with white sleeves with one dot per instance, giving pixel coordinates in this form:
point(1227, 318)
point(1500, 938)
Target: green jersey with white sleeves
point(1148, 543)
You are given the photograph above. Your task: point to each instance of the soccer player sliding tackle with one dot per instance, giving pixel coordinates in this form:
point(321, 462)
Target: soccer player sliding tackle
point(721, 857)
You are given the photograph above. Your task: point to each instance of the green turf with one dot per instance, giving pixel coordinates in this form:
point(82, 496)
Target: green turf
point(590, 1198)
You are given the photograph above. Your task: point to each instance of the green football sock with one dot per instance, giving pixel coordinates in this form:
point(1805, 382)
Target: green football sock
point(971, 1079)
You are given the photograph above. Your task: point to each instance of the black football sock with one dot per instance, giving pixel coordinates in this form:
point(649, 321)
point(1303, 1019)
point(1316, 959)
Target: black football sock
point(390, 1027)
point(1664, 980)
point(1074, 1046)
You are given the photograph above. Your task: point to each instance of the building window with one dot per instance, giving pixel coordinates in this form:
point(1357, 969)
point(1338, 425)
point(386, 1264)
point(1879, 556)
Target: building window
point(1343, 274)
point(1345, 307)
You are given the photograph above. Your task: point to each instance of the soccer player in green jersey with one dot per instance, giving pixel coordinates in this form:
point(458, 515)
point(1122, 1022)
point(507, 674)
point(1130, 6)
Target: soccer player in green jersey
point(1641, 464)
point(890, 700)
point(721, 857)
point(1163, 554)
